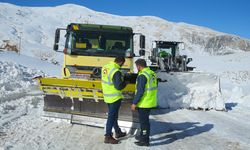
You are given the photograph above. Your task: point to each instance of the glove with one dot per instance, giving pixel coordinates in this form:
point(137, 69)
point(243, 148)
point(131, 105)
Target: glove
point(160, 80)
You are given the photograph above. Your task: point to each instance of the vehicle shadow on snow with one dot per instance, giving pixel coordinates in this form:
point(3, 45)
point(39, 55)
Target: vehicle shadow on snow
point(166, 132)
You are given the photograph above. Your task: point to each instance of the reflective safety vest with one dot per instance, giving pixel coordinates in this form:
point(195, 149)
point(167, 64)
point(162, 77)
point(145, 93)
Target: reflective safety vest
point(110, 93)
point(149, 98)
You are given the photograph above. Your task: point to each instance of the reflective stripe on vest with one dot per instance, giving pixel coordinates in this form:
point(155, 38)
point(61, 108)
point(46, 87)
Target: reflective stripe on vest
point(149, 98)
point(110, 93)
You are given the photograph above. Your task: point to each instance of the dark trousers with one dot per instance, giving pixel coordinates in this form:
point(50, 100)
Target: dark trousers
point(113, 110)
point(144, 124)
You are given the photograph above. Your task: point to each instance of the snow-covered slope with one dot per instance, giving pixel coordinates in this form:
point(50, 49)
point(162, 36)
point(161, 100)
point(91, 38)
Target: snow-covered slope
point(36, 27)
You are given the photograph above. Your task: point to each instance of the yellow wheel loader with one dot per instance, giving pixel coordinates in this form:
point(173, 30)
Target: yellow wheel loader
point(77, 96)
point(185, 87)
point(166, 54)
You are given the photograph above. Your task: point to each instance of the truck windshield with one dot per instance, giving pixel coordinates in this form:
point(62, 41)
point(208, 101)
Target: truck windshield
point(99, 43)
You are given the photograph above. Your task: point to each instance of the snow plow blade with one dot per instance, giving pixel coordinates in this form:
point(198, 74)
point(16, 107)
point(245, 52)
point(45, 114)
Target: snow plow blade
point(78, 98)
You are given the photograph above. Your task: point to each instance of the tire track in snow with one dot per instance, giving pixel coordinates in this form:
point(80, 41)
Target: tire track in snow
point(73, 137)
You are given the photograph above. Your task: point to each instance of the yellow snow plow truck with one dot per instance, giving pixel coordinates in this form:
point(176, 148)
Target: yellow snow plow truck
point(77, 96)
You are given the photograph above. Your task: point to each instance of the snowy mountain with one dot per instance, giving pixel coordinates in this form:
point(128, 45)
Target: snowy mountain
point(36, 27)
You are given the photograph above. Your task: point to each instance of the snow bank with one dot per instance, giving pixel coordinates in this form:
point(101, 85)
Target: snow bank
point(32, 63)
point(234, 75)
point(15, 80)
point(190, 90)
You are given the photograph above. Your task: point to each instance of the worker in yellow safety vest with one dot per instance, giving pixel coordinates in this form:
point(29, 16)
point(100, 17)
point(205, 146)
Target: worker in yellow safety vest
point(145, 99)
point(112, 84)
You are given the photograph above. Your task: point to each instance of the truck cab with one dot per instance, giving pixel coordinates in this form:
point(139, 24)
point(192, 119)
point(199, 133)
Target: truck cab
point(89, 46)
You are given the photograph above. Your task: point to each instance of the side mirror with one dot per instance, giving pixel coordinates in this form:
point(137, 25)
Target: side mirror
point(151, 58)
point(142, 41)
point(57, 38)
point(189, 60)
point(128, 54)
point(181, 46)
point(142, 52)
point(55, 47)
point(154, 45)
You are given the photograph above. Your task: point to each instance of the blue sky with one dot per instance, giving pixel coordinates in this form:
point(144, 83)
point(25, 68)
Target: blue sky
point(229, 16)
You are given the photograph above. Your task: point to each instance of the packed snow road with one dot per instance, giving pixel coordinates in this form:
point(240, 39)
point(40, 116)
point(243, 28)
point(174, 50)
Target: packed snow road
point(171, 129)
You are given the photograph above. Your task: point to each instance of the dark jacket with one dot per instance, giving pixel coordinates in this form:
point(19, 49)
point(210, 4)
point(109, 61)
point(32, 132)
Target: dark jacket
point(118, 81)
point(141, 82)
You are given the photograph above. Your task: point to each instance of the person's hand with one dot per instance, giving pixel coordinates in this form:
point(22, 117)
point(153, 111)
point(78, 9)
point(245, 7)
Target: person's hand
point(133, 106)
point(127, 82)
point(126, 77)
point(161, 80)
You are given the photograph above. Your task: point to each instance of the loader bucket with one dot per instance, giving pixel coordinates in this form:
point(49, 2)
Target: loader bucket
point(80, 97)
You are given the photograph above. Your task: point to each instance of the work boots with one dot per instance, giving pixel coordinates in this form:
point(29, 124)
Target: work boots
point(110, 140)
point(140, 143)
point(120, 134)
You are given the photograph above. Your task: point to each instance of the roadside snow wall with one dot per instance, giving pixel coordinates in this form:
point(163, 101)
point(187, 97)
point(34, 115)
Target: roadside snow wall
point(15, 81)
point(190, 90)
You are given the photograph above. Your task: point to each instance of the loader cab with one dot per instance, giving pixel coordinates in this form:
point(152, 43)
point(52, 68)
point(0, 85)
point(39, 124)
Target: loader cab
point(166, 55)
point(170, 48)
point(166, 49)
